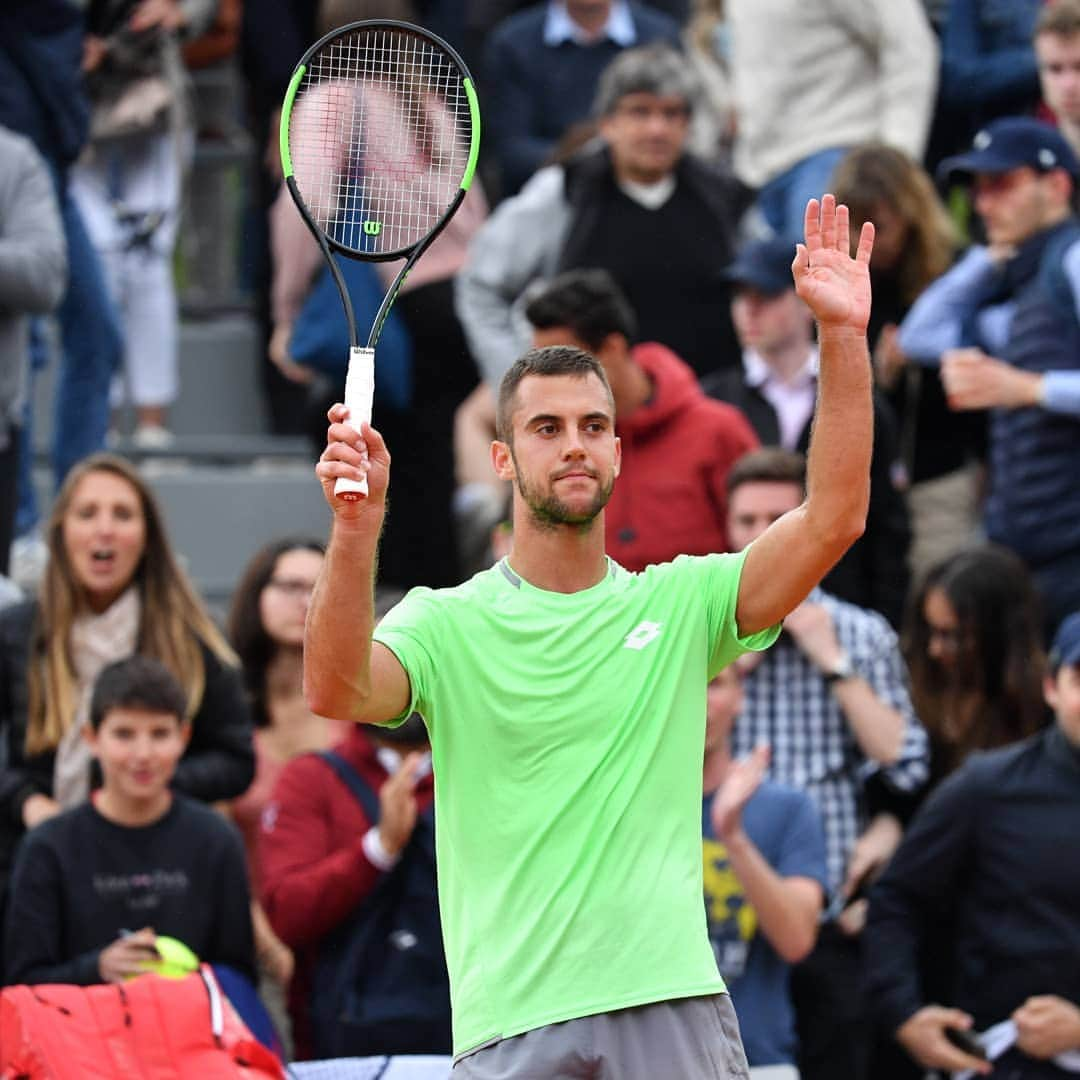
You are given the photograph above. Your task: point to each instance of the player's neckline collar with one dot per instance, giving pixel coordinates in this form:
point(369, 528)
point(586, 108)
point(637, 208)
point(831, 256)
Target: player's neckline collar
point(519, 582)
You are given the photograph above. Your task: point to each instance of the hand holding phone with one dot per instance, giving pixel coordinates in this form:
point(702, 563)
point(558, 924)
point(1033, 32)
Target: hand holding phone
point(967, 1041)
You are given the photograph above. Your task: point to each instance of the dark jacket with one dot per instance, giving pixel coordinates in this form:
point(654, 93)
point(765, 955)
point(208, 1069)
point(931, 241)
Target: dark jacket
point(873, 573)
point(538, 91)
point(41, 82)
point(219, 762)
point(1034, 501)
point(993, 849)
point(669, 260)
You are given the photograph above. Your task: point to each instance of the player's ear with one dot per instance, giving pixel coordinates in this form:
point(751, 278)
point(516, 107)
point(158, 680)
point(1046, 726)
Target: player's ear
point(502, 460)
point(618, 455)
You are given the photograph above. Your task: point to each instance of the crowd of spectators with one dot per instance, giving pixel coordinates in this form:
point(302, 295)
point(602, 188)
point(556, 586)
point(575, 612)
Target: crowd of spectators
point(891, 798)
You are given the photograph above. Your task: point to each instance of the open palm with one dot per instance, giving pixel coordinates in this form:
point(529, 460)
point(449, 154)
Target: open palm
point(835, 286)
point(743, 779)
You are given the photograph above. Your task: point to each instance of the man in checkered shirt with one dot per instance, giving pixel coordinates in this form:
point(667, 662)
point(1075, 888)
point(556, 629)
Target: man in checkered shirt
point(831, 700)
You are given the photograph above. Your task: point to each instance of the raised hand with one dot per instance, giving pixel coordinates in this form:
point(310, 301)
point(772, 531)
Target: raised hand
point(397, 805)
point(353, 455)
point(812, 628)
point(835, 286)
point(743, 779)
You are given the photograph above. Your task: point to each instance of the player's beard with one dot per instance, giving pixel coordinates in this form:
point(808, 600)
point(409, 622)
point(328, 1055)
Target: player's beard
point(548, 511)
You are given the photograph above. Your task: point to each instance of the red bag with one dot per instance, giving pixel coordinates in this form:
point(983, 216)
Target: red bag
point(151, 1028)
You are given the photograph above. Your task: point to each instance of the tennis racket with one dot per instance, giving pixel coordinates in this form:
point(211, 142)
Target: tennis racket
point(380, 130)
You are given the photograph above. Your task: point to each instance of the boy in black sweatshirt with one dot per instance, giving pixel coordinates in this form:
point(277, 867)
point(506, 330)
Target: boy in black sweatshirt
point(137, 855)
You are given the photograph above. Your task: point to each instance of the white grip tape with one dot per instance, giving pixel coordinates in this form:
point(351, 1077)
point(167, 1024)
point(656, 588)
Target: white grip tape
point(359, 392)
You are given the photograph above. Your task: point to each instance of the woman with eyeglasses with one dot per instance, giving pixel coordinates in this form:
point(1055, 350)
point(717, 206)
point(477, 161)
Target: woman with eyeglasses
point(972, 640)
point(266, 627)
point(973, 644)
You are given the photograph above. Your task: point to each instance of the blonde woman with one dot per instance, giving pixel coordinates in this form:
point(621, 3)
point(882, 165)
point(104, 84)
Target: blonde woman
point(112, 588)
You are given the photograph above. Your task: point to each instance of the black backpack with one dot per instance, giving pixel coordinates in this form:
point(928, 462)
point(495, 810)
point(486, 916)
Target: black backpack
point(380, 984)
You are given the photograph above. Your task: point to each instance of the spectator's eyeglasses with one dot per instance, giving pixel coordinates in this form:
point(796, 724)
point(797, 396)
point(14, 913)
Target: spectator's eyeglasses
point(948, 637)
point(292, 587)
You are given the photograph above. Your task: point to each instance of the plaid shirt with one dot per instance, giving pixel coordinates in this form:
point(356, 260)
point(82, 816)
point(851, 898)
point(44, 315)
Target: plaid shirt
point(790, 707)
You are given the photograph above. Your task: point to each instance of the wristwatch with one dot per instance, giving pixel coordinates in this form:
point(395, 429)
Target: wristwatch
point(841, 670)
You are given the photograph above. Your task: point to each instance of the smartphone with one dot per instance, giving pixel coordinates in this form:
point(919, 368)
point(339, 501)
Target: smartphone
point(840, 902)
point(966, 1041)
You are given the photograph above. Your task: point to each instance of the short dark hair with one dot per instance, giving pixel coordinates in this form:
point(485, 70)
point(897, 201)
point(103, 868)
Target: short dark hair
point(768, 465)
point(139, 682)
point(552, 360)
point(589, 302)
point(1061, 18)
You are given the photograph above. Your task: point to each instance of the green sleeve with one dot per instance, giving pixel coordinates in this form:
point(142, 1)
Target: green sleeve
point(409, 631)
point(720, 588)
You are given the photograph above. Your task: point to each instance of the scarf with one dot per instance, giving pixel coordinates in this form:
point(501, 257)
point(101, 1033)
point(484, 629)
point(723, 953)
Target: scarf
point(96, 641)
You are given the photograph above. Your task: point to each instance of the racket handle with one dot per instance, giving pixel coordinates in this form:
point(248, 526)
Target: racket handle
point(359, 392)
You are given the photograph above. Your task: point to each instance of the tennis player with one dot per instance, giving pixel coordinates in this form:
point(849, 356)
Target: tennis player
point(565, 698)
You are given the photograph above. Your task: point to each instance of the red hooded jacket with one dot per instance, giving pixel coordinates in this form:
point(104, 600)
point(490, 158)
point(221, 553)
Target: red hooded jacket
point(677, 448)
point(312, 868)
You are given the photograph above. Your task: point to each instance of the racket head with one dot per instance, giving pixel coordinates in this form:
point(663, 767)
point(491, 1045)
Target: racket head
point(380, 131)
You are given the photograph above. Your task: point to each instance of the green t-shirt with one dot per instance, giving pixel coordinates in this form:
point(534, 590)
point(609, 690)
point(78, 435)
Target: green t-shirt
point(567, 736)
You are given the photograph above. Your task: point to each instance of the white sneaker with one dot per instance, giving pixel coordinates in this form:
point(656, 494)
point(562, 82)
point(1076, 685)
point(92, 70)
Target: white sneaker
point(152, 437)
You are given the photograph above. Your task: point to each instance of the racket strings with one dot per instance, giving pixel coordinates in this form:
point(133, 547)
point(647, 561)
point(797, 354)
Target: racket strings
point(379, 137)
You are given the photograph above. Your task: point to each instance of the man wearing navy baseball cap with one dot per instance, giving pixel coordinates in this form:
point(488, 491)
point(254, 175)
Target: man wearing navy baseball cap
point(993, 850)
point(1004, 325)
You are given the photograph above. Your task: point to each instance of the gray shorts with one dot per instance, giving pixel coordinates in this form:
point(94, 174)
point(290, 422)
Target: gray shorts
point(685, 1039)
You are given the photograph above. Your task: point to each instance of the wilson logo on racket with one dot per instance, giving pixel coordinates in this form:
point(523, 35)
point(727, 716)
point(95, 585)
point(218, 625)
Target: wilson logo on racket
point(380, 117)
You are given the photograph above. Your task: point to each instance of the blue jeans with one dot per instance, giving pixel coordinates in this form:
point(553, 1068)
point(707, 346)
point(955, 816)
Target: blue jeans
point(782, 201)
point(91, 351)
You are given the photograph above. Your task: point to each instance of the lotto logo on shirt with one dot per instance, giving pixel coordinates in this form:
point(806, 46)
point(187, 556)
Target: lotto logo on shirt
point(643, 634)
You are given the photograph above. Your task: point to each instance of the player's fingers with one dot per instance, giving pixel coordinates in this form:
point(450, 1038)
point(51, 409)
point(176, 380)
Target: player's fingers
point(375, 442)
point(812, 225)
point(344, 433)
point(843, 230)
point(866, 243)
point(800, 264)
point(828, 222)
point(352, 455)
point(328, 471)
point(337, 413)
